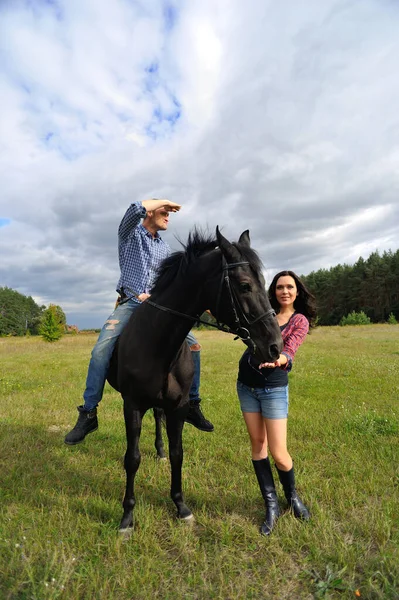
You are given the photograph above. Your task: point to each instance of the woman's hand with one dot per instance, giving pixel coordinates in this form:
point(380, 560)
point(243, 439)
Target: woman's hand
point(269, 365)
point(280, 362)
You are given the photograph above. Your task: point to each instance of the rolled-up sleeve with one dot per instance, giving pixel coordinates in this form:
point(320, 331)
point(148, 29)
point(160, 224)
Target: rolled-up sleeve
point(293, 336)
point(134, 213)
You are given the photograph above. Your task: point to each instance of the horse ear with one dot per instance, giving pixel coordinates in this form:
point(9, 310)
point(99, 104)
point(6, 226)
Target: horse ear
point(245, 239)
point(230, 252)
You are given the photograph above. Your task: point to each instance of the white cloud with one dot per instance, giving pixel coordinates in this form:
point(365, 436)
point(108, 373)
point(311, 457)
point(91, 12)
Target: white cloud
point(277, 118)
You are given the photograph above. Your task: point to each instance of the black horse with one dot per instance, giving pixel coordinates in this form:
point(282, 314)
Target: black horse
point(152, 364)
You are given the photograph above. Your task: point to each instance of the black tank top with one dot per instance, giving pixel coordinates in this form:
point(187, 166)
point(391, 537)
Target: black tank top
point(249, 374)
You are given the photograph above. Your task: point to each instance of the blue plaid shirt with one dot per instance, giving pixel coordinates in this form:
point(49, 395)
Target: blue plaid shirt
point(140, 254)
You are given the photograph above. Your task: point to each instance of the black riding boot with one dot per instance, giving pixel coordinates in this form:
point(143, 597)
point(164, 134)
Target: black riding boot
point(287, 480)
point(86, 423)
point(195, 417)
point(266, 484)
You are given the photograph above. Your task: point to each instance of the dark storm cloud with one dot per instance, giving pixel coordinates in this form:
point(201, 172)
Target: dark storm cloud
point(277, 119)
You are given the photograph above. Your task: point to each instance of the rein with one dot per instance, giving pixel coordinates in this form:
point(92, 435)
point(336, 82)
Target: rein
point(238, 330)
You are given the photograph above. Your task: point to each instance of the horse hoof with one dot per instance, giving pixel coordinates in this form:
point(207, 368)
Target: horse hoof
point(126, 523)
point(126, 533)
point(186, 516)
point(162, 458)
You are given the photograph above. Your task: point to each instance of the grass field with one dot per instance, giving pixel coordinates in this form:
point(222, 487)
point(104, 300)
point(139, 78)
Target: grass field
point(60, 506)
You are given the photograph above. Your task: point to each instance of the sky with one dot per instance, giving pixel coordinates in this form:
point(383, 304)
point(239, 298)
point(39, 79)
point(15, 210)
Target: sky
point(281, 118)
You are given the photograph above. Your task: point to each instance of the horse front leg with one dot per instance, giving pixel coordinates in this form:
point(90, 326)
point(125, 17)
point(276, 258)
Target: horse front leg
point(133, 420)
point(158, 416)
point(174, 428)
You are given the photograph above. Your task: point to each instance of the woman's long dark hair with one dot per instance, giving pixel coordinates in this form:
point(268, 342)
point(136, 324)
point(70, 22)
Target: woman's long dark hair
point(305, 302)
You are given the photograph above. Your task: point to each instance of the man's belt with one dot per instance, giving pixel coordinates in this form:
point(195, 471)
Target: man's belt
point(123, 297)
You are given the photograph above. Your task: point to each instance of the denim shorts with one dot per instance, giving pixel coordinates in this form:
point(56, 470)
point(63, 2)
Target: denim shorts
point(272, 402)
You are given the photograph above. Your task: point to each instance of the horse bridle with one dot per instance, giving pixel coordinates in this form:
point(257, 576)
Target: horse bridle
point(238, 330)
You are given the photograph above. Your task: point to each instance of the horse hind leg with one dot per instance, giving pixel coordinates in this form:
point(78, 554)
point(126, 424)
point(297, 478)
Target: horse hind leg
point(174, 428)
point(159, 416)
point(133, 420)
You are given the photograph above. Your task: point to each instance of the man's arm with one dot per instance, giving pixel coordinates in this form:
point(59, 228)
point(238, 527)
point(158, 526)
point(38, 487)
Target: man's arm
point(155, 203)
point(131, 219)
point(138, 210)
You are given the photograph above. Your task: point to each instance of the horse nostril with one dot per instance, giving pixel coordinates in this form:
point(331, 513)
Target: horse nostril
point(274, 352)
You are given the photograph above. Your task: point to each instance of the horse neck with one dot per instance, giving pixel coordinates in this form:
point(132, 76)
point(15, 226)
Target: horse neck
point(183, 300)
point(185, 293)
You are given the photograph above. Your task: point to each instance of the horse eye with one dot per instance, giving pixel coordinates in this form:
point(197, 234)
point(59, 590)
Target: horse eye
point(245, 287)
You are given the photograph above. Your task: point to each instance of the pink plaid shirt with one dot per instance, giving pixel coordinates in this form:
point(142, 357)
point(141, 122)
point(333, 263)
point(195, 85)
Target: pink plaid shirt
point(293, 334)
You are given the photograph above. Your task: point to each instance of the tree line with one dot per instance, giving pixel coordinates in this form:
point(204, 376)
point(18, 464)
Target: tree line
point(21, 315)
point(371, 286)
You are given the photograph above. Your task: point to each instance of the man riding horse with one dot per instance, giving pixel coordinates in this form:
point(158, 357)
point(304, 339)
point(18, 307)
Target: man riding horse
point(141, 251)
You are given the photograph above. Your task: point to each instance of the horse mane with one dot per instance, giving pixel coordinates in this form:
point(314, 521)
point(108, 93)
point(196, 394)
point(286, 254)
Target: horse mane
point(198, 244)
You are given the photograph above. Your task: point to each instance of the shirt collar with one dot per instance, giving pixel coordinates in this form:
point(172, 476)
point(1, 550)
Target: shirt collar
point(145, 231)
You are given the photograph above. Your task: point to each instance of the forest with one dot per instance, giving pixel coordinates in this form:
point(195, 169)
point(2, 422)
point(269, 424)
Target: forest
point(21, 315)
point(371, 286)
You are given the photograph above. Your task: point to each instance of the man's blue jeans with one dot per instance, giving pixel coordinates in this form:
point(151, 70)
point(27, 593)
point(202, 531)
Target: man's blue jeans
point(102, 352)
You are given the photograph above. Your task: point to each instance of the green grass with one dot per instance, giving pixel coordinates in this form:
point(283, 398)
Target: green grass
point(60, 506)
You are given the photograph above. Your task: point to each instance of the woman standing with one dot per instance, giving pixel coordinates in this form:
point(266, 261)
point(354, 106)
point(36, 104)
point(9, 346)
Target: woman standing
point(263, 394)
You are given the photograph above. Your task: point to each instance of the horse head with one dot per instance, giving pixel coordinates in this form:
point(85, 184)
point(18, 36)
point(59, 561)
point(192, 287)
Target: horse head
point(242, 301)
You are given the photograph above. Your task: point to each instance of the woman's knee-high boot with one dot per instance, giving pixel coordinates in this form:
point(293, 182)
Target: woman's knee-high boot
point(266, 484)
point(287, 479)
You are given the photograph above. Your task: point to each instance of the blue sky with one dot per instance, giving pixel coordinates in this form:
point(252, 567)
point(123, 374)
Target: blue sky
point(280, 119)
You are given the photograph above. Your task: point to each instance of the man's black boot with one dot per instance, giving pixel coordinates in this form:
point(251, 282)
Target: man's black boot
point(196, 418)
point(287, 480)
point(266, 484)
point(86, 423)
